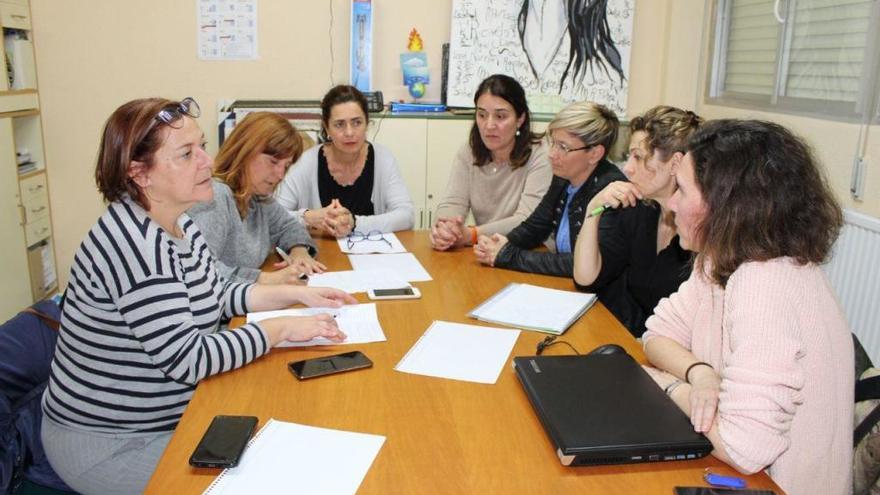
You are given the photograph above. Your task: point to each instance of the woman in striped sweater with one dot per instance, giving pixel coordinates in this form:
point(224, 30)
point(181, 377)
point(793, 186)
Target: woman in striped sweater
point(140, 319)
point(757, 349)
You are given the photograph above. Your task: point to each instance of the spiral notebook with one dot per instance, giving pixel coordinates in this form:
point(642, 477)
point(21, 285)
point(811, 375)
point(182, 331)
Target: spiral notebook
point(292, 458)
point(534, 308)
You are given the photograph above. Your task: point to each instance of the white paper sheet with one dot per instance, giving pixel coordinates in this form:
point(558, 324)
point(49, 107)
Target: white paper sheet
point(291, 458)
point(404, 265)
point(534, 308)
point(359, 322)
point(353, 281)
point(460, 352)
point(372, 247)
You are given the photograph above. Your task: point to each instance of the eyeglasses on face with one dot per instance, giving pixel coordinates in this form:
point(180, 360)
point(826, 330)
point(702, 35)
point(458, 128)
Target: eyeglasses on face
point(564, 148)
point(172, 114)
point(373, 235)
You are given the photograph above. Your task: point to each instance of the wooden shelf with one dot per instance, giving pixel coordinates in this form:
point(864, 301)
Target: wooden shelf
point(13, 92)
point(31, 174)
point(20, 113)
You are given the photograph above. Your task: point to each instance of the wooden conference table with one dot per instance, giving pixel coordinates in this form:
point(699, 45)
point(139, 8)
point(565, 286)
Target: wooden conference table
point(442, 436)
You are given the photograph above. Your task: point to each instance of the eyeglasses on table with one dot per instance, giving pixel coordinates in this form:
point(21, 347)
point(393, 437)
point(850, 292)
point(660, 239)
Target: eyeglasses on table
point(373, 235)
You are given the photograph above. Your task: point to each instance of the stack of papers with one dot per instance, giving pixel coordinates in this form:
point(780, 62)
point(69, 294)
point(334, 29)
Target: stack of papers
point(404, 265)
point(292, 458)
point(460, 352)
point(534, 308)
point(359, 322)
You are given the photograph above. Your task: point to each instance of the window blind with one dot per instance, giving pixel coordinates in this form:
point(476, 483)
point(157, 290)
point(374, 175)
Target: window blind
point(826, 51)
point(752, 40)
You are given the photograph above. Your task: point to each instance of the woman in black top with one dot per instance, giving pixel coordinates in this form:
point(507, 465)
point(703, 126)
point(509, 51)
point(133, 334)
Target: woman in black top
point(580, 136)
point(347, 183)
point(639, 261)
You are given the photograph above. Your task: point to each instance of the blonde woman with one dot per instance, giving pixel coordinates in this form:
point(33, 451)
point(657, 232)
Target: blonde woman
point(580, 137)
point(641, 261)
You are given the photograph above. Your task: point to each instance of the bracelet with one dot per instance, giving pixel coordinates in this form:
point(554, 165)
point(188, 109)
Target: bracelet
point(672, 386)
point(473, 235)
point(689, 368)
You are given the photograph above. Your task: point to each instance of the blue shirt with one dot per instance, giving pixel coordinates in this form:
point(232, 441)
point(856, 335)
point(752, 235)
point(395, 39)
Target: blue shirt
point(563, 235)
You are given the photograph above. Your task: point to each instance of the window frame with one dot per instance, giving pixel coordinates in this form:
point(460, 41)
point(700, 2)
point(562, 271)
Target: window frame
point(864, 110)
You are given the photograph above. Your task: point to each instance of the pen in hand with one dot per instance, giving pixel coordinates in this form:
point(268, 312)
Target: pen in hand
point(598, 211)
point(289, 261)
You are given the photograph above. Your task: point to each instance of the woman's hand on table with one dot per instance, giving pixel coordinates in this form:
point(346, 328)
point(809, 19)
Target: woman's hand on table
point(324, 297)
point(487, 248)
point(302, 328)
point(303, 262)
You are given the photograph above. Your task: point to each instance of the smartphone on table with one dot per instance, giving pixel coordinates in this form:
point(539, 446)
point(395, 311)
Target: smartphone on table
point(223, 443)
point(328, 365)
point(401, 293)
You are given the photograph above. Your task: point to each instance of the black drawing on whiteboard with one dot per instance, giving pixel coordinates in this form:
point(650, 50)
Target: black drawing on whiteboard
point(544, 25)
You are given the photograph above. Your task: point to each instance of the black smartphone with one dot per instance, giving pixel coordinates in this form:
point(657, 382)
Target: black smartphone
point(327, 365)
point(708, 490)
point(223, 442)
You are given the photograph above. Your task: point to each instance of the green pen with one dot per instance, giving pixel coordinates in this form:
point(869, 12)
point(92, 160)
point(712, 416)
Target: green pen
point(598, 211)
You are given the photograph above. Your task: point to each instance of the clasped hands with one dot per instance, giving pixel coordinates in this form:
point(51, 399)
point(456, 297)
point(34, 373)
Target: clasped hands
point(448, 233)
point(333, 219)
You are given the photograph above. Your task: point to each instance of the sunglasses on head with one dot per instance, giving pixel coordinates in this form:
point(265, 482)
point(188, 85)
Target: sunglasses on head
point(172, 114)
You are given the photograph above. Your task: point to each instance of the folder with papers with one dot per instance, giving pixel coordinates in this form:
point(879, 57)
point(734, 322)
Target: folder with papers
point(534, 308)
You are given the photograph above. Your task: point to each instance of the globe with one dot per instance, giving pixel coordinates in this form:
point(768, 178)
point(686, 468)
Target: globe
point(417, 89)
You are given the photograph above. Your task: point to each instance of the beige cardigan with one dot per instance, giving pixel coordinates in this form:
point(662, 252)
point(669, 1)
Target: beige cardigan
point(499, 200)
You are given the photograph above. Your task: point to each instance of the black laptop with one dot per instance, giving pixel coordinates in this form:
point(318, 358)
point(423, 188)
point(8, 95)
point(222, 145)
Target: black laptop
point(605, 409)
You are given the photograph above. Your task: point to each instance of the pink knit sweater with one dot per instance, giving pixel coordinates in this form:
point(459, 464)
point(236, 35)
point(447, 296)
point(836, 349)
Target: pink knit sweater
point(781, 344)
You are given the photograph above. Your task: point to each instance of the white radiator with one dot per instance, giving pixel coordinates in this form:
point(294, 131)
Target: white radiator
point(854, 271)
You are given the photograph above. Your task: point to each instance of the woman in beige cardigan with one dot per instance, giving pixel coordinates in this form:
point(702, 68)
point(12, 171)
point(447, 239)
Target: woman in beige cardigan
point(500, 175)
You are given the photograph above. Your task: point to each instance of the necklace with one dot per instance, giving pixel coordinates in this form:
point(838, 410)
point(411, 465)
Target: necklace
point(496, 166)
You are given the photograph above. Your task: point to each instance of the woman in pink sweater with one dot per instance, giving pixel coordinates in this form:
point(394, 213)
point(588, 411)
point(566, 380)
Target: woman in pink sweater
point(754, 346)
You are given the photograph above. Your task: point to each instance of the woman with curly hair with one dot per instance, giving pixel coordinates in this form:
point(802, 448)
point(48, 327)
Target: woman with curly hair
point(754, 346)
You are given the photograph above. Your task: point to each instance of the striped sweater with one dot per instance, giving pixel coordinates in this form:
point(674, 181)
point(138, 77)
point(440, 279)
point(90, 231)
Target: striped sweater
point(139, 326)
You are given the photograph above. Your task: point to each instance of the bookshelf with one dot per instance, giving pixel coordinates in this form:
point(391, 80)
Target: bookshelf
point(28, 263)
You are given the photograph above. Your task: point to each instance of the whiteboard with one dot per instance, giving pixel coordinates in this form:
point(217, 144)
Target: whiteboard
point(530, 40)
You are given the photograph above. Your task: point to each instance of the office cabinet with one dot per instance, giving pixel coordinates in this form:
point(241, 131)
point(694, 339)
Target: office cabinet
point(27, 265)
point(445, 138)
point(406, 138)
point(15, 291)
